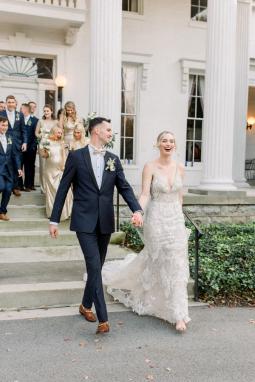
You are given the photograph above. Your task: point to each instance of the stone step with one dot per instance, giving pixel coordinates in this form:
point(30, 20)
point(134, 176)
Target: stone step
point(29, 224)
point(28, 198)
point(26, 211)
point(42, 238)
point(52, 254)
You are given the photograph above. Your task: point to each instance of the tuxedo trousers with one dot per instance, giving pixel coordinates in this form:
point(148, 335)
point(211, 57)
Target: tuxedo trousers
point(94, 247)
point(6, 189)
point(29, 157)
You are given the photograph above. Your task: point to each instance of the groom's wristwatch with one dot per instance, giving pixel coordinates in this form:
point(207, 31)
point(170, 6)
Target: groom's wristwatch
point(140, 211)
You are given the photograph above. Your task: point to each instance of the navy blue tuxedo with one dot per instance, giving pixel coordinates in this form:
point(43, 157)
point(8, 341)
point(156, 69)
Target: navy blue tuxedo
point(7, 172)
point(91, 204)
point(18, 132)
point(29, 156)
point(18, 135)
point(92, 215)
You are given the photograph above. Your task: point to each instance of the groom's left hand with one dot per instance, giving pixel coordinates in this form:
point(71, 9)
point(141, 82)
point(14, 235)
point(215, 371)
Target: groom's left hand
point(137, 219)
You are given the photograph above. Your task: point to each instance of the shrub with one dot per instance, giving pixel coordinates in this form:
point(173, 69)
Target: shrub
point(132, 240)
point(226, 263)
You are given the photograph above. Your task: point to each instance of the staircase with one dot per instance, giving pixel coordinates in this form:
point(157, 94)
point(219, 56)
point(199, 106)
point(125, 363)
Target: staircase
point(35, 270)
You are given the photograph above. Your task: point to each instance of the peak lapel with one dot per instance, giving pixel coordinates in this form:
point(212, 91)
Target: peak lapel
point(106, 157)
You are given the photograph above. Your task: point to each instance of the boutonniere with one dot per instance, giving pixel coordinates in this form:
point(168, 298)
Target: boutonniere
point(29, 123)
point(9, 141)
point(17, 116)
point(110, 165)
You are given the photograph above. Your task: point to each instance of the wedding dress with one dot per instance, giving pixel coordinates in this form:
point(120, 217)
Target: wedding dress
point(154, 282)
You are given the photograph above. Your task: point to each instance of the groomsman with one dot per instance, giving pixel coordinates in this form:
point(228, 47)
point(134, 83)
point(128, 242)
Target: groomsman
point(7, 157)
point(29, 155)
point(2, 106)
point(33, 106)
point(17, 132)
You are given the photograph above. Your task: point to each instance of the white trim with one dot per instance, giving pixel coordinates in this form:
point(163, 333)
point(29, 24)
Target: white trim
point(190, 66)
point(198, 24)
point(143, 59)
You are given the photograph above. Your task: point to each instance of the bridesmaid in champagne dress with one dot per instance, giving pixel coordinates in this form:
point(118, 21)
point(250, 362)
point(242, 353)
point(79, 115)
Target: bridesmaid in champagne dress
point(79, 140)
point(69, 120)
point(42, 132)
point(154, 282)
point(55, 155)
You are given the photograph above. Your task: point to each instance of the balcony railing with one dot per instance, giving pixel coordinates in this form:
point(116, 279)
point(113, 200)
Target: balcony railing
point(77, 4)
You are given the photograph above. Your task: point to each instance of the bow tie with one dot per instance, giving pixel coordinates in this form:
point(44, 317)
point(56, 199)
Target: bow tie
point(101, 151)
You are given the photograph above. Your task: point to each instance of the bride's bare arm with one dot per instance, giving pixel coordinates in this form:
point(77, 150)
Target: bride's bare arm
point(181, 171)
point(146, 185)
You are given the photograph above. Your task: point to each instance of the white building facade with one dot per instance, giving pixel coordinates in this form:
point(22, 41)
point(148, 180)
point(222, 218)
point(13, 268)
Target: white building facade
point(142, 63)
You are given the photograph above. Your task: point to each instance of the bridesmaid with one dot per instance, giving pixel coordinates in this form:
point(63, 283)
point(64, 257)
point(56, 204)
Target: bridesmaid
point(69, 120)
point(79, 140)
point(54, 166)
point(42, 131)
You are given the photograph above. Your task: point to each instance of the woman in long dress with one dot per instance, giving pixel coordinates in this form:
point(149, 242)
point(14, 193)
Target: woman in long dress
point(79, 140)
point(154, 282)
point(69, 120)
point(42, 132)
point(55, 154)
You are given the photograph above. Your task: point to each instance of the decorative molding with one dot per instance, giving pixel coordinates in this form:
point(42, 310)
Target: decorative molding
point(189, 66)
point(143, 59)
point(20, 39)
point(71, 35)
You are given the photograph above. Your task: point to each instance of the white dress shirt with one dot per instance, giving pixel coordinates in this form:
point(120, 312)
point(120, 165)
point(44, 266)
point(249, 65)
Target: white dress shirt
point(11, 117)
point(3, 140)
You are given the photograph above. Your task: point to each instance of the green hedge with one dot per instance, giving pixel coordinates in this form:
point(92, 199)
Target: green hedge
point(226, 261)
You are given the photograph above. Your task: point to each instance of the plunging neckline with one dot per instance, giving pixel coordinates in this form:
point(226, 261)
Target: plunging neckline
point(170, 186)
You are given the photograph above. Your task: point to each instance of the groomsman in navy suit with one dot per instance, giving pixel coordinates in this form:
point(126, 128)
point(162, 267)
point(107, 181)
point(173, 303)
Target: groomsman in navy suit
point(30, 154)
point(17, 132)
point(7, 157)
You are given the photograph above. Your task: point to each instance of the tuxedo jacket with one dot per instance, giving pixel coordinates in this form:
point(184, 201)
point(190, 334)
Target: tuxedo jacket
point(18, 132)
point(91, 204)
point(6, 160)
point(30, 130)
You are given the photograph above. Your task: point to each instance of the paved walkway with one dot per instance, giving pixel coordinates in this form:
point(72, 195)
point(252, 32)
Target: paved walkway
point(218, 347)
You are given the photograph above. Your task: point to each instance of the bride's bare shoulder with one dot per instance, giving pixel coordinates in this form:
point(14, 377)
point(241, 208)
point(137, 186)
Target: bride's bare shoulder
point(149, 166)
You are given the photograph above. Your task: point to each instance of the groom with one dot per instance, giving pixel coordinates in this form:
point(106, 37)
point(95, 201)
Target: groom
point(93, 173)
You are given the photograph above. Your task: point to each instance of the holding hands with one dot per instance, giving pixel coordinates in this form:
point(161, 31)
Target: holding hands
point(137, 219)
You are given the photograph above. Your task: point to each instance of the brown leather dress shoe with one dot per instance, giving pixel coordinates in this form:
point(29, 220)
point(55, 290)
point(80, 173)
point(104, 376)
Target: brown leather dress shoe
point(103, 327)
point(16, 192)
point(4, 217)
point(87, 313)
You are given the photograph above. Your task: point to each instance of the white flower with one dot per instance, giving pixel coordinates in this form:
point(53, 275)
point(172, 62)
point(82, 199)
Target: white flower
point(9, 141)
point(110, 165)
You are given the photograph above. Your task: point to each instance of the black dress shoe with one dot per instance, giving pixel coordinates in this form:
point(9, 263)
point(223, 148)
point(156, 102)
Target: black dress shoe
point(27, 189)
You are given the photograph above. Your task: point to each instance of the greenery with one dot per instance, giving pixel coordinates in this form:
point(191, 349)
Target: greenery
point(226, 261)
point(133, 239)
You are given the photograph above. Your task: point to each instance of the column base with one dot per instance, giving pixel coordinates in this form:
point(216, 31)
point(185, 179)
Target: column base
point(213, 192)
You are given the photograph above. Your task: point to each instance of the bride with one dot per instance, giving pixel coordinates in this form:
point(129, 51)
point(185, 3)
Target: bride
point(154, 282)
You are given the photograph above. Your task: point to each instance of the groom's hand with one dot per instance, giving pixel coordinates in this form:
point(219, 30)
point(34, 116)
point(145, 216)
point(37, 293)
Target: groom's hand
point(137, 219)
point(53, 231)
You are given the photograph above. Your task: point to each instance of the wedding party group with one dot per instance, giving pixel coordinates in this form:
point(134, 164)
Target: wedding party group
point(22, 136)
point(78, 176)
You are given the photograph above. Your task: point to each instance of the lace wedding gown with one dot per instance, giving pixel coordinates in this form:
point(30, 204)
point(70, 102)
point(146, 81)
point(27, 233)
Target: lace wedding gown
point(154, 282)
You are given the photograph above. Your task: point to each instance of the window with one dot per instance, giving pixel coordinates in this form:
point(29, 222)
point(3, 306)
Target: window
point(131, 6)
point(28, 67)
point(199, 10)
point(129, 75)
point(195, 120)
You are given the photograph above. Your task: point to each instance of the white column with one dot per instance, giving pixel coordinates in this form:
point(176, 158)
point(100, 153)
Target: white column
point(218, 131)
point(105, 61)
point(242, 84)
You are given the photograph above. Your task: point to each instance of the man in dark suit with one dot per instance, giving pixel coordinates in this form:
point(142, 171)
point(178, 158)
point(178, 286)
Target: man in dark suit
point(94, 173)
point(6, 167)
point(17, 132)
point(30, 154)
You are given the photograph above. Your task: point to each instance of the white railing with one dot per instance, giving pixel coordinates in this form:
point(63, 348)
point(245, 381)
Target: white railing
point(78, 4)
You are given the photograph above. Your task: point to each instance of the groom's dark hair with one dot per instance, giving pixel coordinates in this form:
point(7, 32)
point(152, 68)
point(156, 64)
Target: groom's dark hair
point(96, 121)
